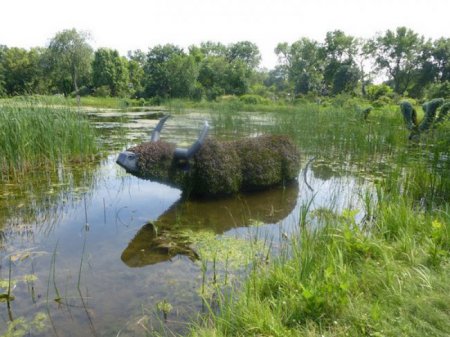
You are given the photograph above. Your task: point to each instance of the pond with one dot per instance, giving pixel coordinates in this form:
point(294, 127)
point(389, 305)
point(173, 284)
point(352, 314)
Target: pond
point(103, 253)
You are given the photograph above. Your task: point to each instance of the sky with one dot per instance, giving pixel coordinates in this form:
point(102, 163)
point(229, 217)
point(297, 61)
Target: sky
point(142, 24)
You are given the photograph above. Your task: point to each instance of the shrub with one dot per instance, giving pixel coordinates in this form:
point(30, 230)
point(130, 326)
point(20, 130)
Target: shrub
point(376, 91)
point(382, 101)
point(437, 90)
point(103, 91)
point(253, 99)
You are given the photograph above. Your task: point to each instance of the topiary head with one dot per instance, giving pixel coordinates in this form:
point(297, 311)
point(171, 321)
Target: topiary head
point(151, 160)
point(158, 160)
point(129, 161)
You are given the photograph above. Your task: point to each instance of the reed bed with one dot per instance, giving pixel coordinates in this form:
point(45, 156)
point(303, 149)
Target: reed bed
point(35, 134)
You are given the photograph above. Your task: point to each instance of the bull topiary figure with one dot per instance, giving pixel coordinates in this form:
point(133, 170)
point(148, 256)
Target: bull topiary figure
point(213, 168)
point(429, 120)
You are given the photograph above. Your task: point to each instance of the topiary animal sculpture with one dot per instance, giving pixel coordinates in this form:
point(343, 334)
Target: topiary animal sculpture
point(213, 168)
point(429, 119)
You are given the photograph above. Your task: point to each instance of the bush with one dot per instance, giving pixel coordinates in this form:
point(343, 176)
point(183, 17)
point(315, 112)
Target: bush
point(85, 91)
point(437, 90)
point(253, 99)
point(382, 101)
point(376, 91)
point(103, 91)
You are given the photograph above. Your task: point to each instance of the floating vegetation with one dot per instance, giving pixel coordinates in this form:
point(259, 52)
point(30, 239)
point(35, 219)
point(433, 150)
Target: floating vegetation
point(22, 327)
point(235, 252)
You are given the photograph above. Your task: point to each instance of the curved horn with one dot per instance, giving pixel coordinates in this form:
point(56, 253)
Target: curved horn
point(158, 128)
point(188, 153)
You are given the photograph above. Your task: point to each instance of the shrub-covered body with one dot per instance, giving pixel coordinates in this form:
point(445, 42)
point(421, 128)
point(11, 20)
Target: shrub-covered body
point(220, 168)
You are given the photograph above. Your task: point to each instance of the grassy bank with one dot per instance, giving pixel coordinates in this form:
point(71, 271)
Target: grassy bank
point(390, 275)
point(341, 280)
point(34, 134)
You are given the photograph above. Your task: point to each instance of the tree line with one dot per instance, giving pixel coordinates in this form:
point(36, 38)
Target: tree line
point(407, 63)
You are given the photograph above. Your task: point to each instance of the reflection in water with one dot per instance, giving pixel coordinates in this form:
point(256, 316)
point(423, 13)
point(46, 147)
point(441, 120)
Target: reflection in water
point(161, 240)
point(323, 171)
point(36, 202)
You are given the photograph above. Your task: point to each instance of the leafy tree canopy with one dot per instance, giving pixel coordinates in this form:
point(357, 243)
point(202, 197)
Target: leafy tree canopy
point(70, 59)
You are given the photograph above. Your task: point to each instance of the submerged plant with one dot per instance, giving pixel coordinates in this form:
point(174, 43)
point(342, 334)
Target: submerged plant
point(23, 327)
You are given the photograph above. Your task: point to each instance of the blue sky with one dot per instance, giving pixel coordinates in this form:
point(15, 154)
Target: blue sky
point(140, 24)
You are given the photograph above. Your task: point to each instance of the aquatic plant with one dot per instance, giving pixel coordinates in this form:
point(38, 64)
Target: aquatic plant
point(33, 134)
point(164, 307)
point(23, 327)
point(340, 280)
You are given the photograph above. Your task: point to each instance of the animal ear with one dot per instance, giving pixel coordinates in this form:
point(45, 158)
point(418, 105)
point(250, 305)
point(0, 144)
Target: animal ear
point(156, 131)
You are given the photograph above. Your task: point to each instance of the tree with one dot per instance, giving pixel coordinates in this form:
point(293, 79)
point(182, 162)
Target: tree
point(425, 72)
point(345, 79)
point(441, 56)
point(245, 51)
point(303, 62)
point(111, 70)
point(183, 73)
point(169, 72)
point(70, 59)
point(210, 48)
point(398, 54)
point(136, 62)
point(3, 50)
point(366, 64)
point(277, 78)
point(339, 51)
point(212, 77)
point(22, 71)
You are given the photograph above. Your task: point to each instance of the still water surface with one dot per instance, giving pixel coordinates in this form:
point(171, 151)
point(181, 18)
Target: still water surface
point(91, 235)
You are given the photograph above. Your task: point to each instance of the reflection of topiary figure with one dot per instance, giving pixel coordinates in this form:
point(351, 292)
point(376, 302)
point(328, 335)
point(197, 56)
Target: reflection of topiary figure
point(429, 120)
point(212, 168)
point(173, 233)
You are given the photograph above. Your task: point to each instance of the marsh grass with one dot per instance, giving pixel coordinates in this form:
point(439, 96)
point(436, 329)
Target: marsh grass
point(332, 130)
point(340, 281)
point(388, 276)
point(374, 147)
point(37, 134)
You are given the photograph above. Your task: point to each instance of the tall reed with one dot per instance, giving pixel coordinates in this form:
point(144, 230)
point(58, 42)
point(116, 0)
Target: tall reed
point(34, 134)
